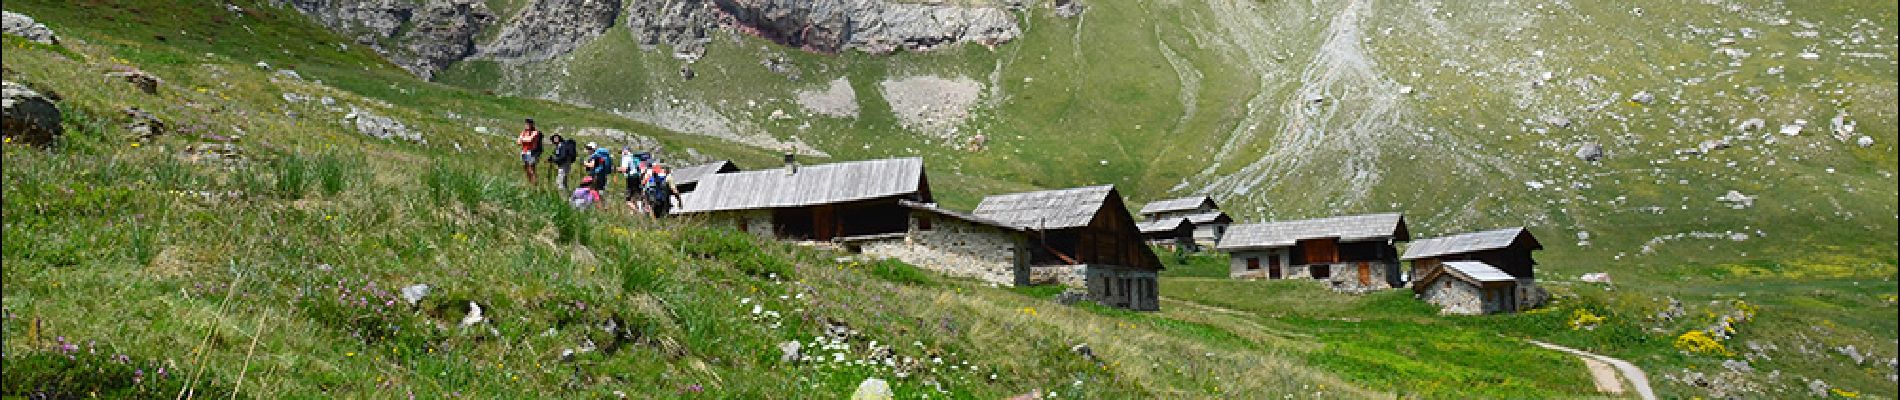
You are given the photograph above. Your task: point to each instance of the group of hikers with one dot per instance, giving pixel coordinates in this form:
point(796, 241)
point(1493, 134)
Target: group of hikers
point(649, 190)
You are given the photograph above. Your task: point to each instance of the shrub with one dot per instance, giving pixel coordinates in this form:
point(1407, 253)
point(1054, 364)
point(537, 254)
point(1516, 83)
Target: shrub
point(1699, 342)
point(1585, 320)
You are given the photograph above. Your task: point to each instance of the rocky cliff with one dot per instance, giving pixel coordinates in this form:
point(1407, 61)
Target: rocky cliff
point(422, 37)
point(549, 28)
point(425, 36)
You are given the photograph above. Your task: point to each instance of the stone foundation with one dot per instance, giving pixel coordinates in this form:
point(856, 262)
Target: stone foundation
point(959, 248)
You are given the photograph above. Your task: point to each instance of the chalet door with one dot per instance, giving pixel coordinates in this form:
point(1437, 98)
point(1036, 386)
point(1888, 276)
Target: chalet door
point(824, 226)
point(1273, 271)
point(1365, 273)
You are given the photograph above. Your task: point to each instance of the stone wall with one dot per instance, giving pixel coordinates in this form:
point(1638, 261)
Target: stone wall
point(1124, 287)
point(1453, 296)
point(1380, 276)
point(1237, 263)
point(959, 248)
point(1075, 276)
point(756, 222)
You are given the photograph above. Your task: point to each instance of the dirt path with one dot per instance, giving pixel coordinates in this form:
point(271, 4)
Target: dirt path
point(1604, 377)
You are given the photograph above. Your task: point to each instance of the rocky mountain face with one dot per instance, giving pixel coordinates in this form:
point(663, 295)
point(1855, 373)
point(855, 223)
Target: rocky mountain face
point(425, 36)
point(549, 28)
point(872, 26)
point(422, 37)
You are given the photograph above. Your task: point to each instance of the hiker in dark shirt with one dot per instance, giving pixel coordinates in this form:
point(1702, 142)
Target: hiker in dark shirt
point(562, 161)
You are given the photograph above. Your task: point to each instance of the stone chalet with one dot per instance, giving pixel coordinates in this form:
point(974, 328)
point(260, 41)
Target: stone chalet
point(953, 243)
point(1210, 223)
point(1470, 288)
point(687, 178)
point(1352, 253)
point(1082, 237)
point(813, 203)
point(1507, 250)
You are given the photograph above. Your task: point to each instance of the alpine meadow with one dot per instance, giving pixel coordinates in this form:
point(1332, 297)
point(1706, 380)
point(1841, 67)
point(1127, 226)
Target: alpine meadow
point(1021, 199)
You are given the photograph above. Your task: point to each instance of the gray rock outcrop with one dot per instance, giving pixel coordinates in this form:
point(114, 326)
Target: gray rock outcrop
point(380, 127)
point(827, 26)
point(683, 25)
point(143, 124)
point(425, 36)
point(18, 24)
point(142, 80)
point(548, 28)
point(422, 37)
point(1590, 152)
point(28, 116)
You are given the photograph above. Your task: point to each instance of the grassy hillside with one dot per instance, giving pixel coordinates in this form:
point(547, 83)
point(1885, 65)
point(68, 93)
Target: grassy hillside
point(133, 269)
point(1464, 115)
point(144, 268)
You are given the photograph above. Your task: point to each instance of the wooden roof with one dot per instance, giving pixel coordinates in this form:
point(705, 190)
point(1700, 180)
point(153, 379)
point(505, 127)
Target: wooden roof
point(1210, 217)
point(1469, 242)
point(1349, 228)
point(1163, 226)
point(1477, 272)
point(811, 185)
point(1180, 204)
point(932, 208)
point(1047, 209)
point(695, 173)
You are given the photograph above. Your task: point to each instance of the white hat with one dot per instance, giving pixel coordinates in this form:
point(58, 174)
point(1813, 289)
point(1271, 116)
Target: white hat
point(591, 145)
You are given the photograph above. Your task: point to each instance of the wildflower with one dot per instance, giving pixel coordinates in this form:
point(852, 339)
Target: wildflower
point(349, 354)
point(135, 145)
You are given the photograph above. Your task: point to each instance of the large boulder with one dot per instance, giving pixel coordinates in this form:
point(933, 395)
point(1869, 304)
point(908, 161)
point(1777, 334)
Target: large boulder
point(29, 116)
point(18, 24)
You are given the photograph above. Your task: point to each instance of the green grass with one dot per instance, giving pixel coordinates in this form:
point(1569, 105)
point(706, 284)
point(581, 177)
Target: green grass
point(1207, 264)
point(279, 276)
point(136, 247)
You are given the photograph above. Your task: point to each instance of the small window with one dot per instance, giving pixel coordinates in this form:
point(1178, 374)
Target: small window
point(1253, 263)
point(923, 223)
point(1322, 271)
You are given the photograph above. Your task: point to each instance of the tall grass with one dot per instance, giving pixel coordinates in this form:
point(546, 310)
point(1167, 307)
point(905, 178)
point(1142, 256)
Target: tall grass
point(332, 173)
point(292, 176)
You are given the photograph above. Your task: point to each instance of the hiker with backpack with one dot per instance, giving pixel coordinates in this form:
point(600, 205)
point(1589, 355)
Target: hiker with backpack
point(584, 197)
point(563, 158)
point(598, 165)
point(633, 167)
point(530, 141)
point(661, 195)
